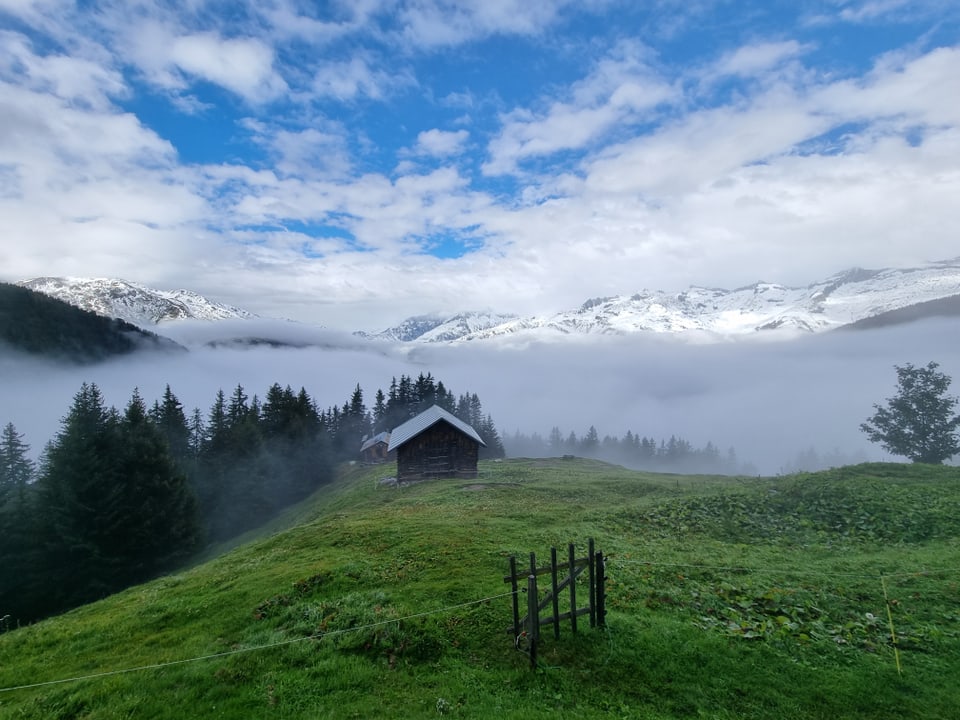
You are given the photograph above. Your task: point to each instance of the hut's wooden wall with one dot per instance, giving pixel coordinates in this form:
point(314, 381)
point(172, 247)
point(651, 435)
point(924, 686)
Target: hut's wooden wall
point(376, 453)
point(439, 451)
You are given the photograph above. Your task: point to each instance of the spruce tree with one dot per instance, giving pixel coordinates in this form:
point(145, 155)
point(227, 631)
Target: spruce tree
point(16, 467)
point(590, 443)
point(425, 390)
point(491, 438)
point(212, 458)
point(556, 441)
point(231, 478)
point(277, 411)
point(379, 412)
point(152, 523)
point(444, 398)
point(170, 419)
point(76, 486)
point(17, 564)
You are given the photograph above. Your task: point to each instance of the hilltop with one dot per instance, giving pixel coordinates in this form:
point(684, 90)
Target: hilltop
point(727, 598)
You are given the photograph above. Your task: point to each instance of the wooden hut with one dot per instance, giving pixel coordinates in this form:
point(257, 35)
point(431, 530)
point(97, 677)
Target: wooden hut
point(435, 444)
point(374, 449)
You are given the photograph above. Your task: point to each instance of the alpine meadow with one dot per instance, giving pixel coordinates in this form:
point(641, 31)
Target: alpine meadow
point(830, 594)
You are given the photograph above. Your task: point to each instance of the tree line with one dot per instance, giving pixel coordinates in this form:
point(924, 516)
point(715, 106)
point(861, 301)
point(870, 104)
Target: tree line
point(118, 497)
point(675, 454)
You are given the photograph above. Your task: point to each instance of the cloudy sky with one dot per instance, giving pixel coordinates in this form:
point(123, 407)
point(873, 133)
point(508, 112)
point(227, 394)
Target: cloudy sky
point(351, 163)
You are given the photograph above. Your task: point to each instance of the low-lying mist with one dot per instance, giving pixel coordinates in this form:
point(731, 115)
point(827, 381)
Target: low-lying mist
point(770, 400)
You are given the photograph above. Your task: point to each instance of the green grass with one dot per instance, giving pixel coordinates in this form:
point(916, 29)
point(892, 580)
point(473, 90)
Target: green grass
point(728, 598)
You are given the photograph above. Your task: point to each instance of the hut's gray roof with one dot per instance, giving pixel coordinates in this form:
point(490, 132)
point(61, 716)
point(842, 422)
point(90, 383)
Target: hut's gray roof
point(383, 437)
point(428, 418)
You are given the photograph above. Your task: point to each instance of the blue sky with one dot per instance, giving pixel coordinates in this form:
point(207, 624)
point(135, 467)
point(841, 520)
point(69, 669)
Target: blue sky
point(353, 163)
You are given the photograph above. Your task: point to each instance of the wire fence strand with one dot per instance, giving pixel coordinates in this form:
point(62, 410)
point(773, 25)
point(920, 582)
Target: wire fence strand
point(256, 648)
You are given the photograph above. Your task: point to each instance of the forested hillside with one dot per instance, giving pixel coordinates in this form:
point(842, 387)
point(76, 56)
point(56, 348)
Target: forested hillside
point(120, 496)
point(35, 323)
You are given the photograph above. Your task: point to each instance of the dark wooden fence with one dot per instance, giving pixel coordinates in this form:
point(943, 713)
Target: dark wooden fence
point(563, 581)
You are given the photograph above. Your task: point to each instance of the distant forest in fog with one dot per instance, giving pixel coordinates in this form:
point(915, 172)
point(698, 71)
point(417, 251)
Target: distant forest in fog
point(673, 455)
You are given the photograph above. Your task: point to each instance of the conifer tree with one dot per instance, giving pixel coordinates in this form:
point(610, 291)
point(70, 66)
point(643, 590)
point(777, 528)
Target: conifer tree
point(556, 441)
point(292, 444)
point(238, 407)
point(491, 438)
point(379, 412)
point(76, 485)
point(16, 556)
point(197, 432)
point(170, 419)
point(590, 442)
point(16, 467)
point(425, 391)
point(152, 522)
point(277, 409)
point(235, 497)
point(355, 424)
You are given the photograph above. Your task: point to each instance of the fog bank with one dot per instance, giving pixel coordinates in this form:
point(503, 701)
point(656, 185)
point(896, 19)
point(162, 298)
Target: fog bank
point(768, 400)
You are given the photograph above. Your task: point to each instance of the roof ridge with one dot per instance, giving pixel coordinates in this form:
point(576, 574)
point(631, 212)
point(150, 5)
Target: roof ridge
point(426, 419)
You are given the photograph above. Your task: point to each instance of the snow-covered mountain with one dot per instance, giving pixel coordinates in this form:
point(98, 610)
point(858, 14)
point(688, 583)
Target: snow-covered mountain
point(854, 298)
point(844, 300)
point(138, 305)
point(443, 328)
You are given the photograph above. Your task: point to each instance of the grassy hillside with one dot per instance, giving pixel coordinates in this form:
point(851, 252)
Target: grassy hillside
point(728, 598)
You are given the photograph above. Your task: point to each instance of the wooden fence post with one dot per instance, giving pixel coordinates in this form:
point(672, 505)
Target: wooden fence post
point(533, 618)
point(556, 600)
point(601, 591)
point(593, 584)
point(516, 599)
point(573, 589)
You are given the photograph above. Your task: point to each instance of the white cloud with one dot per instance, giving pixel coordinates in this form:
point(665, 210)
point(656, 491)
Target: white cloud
point(871, 10)
point(312, 152)
point(292, 19)
point(756, 59)
point(441, 143)
point(74, 80)
point(619, 91)
point(354, 78)
point(37, 13)
point(242, 65)
point(920, 89)
point(430, 23)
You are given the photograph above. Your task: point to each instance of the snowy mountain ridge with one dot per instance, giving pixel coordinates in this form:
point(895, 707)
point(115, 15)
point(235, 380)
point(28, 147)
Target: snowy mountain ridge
point(763, 309)
point(138, 305)
point(443, 328)
point(841, 300)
